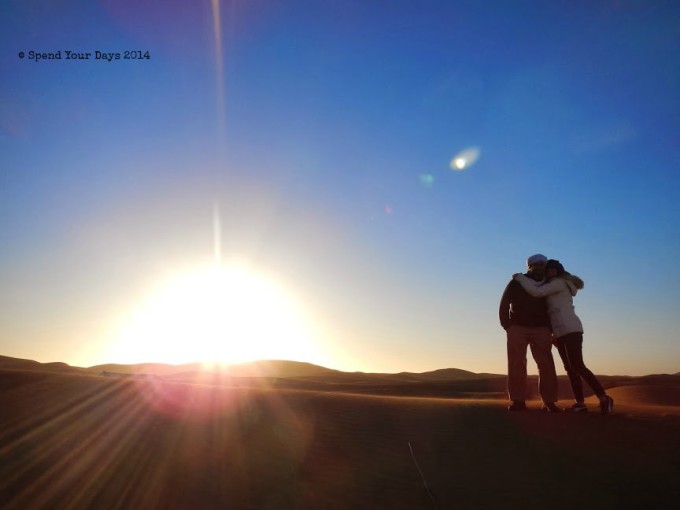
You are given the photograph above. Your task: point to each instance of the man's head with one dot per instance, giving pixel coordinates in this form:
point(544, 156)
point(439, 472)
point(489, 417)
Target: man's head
point(536, 266)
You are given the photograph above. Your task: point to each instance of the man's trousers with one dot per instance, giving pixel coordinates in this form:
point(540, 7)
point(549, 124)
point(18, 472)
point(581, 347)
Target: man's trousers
point(540, 342)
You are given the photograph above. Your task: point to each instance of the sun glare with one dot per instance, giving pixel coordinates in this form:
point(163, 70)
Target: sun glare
point(218, 314)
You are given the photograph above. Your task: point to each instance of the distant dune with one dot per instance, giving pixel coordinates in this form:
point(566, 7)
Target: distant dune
point(27, 364)
point(288, 369)
point(656, 389)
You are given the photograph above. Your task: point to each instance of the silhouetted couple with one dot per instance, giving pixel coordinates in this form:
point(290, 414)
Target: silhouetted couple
point(536, 311)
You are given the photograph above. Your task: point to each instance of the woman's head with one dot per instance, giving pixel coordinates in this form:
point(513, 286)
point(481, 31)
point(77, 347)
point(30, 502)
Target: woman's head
point(554, 268)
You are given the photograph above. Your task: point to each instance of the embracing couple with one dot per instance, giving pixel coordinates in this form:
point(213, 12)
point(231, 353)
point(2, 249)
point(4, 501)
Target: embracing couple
point(537, 311)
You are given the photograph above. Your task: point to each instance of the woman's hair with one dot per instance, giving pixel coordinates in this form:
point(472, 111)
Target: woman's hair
point(555, 264)
point(561, 273)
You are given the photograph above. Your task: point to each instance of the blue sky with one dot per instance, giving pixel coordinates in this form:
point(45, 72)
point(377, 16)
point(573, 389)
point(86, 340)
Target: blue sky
point(323, 133)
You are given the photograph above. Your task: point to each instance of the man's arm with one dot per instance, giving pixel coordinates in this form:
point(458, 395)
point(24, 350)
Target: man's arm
point(504, 308)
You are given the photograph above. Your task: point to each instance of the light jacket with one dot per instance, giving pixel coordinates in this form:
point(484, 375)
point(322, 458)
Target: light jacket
point(558, 293)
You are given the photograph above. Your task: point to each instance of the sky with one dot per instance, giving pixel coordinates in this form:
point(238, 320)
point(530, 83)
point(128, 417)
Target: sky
point(279, 179)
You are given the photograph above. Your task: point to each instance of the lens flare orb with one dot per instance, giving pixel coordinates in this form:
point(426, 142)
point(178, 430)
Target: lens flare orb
point(426, 180)
point(465, 159)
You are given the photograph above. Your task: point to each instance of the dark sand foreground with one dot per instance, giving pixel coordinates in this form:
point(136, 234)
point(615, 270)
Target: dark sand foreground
point(82, 441)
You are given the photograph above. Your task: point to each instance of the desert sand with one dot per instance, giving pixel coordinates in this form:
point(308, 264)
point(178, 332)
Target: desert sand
point(73, 439)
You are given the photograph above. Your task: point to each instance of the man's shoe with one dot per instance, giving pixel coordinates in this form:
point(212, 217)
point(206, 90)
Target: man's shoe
point(578, 407)
point(517, 405)
point(606, 404)
point(550, 407)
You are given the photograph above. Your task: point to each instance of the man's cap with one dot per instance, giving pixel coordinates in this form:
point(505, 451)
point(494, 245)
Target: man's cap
point(534, 259)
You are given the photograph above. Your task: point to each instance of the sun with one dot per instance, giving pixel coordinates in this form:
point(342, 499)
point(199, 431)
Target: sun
point(222, 313)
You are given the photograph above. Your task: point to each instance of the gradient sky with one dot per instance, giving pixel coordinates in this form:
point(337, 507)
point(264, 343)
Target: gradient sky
point(318, 136)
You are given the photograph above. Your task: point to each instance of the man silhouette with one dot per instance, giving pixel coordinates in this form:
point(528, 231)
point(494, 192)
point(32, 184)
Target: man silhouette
point(526, 322)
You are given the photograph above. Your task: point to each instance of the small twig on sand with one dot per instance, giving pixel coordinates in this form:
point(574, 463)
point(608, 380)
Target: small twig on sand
point(429, 492)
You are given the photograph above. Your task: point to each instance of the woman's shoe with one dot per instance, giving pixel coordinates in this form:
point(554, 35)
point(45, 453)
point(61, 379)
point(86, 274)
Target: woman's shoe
point(606, 404)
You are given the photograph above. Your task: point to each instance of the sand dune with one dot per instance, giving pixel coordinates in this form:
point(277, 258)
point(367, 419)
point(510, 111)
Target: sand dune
point(8, 362)
point(651, 395)
point(84, 441)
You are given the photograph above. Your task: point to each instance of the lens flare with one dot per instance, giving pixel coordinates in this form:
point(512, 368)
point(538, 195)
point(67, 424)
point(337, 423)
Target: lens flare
point(426, 180)
point(465, 159)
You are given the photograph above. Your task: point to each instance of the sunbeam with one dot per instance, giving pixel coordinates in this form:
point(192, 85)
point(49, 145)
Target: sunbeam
point(219, 65)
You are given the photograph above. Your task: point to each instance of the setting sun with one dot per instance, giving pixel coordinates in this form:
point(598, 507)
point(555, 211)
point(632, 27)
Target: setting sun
point(219, 313)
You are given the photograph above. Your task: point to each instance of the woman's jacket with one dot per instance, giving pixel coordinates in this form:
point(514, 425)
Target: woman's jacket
point(559, 293)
